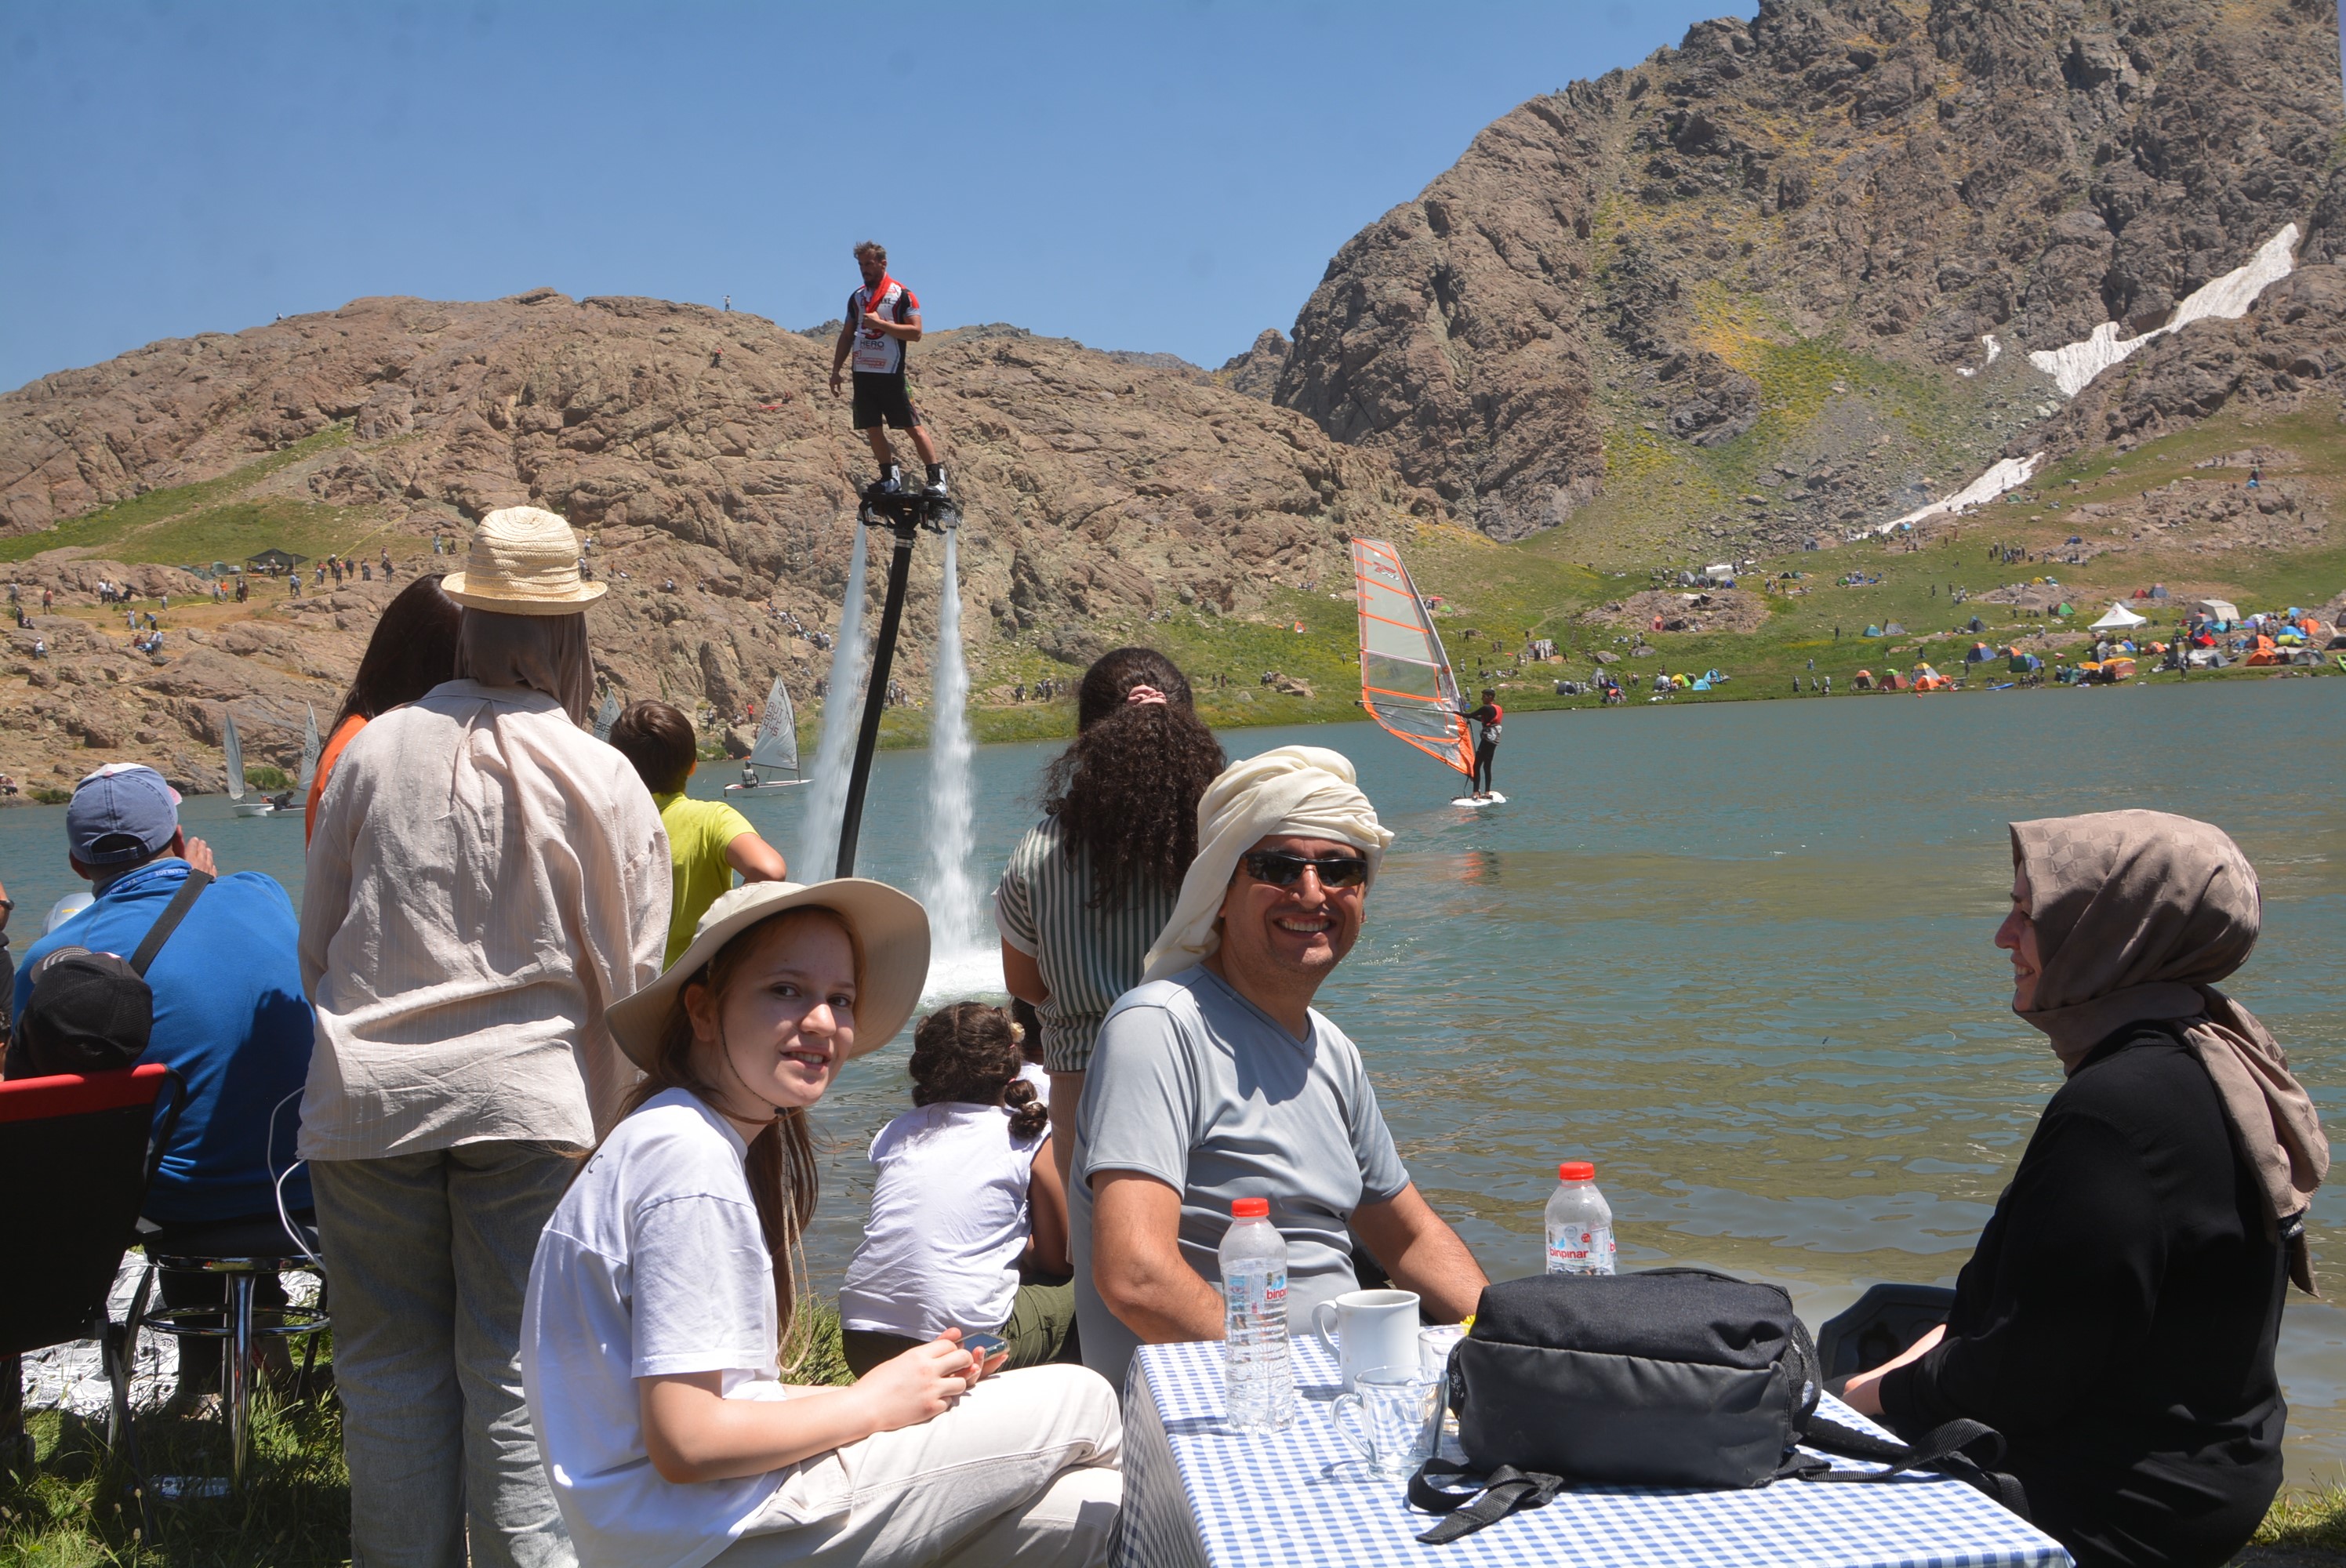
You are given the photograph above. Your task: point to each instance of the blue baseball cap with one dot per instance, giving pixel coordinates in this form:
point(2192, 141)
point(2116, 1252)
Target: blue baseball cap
point(121, 813)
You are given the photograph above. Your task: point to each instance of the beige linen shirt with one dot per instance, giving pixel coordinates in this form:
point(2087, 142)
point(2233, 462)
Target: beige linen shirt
point(486, 878)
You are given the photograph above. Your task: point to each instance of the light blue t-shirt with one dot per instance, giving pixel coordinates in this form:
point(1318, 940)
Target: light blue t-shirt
point(1192, 1084)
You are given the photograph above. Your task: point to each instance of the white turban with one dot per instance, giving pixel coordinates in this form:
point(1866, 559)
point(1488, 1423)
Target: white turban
point(1307, 791)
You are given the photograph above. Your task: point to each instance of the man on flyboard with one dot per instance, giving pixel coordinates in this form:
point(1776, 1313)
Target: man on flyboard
point(882, 318)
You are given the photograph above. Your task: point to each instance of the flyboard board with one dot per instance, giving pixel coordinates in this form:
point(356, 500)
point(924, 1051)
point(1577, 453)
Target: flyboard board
point(776, 747)
point(1406, 683)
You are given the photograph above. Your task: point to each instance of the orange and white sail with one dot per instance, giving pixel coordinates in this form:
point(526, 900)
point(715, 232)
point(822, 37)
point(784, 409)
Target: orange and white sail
point(1406, 681)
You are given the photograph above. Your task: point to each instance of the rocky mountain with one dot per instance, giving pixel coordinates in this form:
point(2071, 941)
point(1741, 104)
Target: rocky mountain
point(701, 450)
point(1775, 256)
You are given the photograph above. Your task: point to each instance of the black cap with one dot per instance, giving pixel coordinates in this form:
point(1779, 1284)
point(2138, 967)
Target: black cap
point(88, 1012)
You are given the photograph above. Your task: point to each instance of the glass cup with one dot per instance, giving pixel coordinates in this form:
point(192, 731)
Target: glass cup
point(1390, 1407)
point(1434, 1347)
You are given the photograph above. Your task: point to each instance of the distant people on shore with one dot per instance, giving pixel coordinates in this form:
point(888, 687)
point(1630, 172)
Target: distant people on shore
point(485, 881)
point(1215, 1079)
point(882, 318)
point(707, 841)
point(228, 1013)
point(665, 1286)
point(1090, 886)
point(963, 1200)
point(2117, 1320)
point(411, 649)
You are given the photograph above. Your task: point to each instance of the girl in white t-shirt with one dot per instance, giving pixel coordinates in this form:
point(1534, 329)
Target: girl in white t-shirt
point(960, 1201)
point(663, 1289)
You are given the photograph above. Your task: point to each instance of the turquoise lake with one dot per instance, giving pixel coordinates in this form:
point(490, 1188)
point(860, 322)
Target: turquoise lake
point(1737, 955)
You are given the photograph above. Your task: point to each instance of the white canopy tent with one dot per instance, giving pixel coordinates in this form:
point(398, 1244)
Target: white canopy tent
point(2119, 619)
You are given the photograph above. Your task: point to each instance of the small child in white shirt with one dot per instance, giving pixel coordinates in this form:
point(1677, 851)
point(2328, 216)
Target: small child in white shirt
point(961, 1202)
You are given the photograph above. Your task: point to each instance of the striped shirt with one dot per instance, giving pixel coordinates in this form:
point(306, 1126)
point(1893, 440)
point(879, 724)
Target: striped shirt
point(1088, 957)
point(486, 879)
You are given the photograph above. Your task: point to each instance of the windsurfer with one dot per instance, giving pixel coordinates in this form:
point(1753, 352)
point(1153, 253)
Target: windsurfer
point(1486, 746)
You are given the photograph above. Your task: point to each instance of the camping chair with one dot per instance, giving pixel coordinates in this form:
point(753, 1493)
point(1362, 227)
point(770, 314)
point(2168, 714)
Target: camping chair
point(78, 1152)
point(241, 1251)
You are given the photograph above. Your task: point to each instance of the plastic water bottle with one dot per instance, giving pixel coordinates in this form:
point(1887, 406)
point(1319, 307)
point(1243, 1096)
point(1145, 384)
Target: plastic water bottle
point(1258, 1372)
point(1579, 1222)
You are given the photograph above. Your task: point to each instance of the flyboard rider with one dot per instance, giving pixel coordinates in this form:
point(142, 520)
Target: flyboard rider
point(882, 318)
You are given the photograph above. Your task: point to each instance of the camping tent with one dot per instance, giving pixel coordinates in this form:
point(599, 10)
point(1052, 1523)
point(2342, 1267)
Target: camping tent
point(2222, 609)
point(2119, 619)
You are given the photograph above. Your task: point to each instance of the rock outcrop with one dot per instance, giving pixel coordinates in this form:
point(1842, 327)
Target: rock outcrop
point(702, 452)
point(1894, 180)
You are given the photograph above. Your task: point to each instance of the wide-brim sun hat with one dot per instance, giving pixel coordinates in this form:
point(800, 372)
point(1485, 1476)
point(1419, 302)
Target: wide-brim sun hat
point(889, 926)
point(523, 561)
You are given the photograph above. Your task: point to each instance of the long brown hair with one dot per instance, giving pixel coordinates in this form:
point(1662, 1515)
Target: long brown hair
point(781, 1166)
point(1127, 791)
point(412, 650)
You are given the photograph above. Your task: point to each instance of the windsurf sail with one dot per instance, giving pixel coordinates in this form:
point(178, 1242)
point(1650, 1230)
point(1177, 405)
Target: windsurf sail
point(310, 747)
point(1406, 681)
point(232, 752)
point(606, 716)
point(778, 731)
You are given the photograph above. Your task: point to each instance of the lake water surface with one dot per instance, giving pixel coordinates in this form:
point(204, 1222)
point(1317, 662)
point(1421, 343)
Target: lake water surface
point(1737, 955)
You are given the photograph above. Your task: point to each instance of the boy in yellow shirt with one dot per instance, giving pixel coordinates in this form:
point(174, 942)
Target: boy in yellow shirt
point(708, 840)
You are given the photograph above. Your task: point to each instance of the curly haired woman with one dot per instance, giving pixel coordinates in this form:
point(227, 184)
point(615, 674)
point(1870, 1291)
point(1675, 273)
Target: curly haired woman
point(1087, 890)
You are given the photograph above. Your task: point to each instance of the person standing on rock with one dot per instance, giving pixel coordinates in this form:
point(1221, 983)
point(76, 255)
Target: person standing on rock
point(882, 318)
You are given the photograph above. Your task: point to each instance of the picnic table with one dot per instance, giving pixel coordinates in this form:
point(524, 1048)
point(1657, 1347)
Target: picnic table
point(1199, 1495)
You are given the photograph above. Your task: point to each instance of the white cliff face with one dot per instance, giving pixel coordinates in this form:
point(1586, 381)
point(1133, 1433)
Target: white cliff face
point(2008, 473)
point(2073, 366)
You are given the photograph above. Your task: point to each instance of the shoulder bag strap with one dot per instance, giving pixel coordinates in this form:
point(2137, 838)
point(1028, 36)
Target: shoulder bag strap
point(168, 920)
point(1503, 1491)
point(1948, 1449)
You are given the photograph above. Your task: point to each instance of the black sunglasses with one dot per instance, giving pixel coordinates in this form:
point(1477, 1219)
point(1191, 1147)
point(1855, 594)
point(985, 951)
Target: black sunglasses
point(1281, 870)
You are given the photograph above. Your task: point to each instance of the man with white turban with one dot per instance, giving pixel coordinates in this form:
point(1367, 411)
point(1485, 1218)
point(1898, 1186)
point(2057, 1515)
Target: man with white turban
point(1215, 1080)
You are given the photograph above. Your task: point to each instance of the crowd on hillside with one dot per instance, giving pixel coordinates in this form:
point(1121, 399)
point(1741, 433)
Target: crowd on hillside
point(554, 1069)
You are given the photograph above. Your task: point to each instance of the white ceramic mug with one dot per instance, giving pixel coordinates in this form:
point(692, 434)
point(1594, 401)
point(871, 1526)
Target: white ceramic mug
point(1370, 1328)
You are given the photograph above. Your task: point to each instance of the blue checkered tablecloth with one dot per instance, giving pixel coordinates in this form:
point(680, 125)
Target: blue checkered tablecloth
point(1196, 1495)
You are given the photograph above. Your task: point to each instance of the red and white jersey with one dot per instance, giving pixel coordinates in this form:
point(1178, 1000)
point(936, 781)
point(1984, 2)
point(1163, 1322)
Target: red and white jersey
point(875, 352)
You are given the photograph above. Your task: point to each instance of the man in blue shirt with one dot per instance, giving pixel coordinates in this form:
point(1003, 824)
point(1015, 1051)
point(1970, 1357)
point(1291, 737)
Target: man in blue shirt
point(230, 1013)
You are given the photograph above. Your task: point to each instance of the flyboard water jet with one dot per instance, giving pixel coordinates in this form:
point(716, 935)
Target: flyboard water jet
point(1407, 685)
point(903, 513)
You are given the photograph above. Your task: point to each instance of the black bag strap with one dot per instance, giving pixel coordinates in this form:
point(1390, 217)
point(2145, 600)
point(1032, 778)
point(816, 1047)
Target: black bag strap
point(1504, 1491)
point(1948, 1449)
point(168, 920)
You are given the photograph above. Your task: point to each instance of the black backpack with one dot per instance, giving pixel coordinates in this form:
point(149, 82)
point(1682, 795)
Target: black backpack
point(92, 1011)
point(1670, 1377)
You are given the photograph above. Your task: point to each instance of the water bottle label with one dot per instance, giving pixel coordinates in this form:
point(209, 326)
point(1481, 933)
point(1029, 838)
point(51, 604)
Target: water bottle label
point(1580, 1250)
point(1253, 1293)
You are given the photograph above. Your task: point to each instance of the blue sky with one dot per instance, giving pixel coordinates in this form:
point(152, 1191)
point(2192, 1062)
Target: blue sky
point(1167, 176)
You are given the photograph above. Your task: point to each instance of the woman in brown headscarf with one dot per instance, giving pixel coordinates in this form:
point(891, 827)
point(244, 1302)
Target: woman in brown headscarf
point(2116, 1322)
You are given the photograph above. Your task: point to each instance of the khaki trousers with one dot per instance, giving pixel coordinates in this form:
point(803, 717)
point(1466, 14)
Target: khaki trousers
point(1022, 1470)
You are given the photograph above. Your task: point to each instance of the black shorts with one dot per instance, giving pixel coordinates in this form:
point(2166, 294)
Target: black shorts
point(884, 397)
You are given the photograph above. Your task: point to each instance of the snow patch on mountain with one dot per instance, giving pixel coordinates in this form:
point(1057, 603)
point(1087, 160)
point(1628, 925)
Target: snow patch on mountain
point(2073, 366)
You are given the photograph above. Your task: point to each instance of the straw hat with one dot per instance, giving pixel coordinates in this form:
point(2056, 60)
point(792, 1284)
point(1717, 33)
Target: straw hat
point(891, 927)
point(523, 562)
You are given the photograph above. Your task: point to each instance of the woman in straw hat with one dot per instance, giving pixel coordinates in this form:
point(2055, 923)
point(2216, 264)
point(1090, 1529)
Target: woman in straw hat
point(664, 1285)
point(485, 879)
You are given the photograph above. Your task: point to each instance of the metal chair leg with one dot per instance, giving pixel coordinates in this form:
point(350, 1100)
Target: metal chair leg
point(236, 1385)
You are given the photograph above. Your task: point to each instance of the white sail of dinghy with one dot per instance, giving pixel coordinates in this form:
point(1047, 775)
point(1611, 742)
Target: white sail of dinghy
point(233, 753)
point(776, 747)
point(606, 716)
point(778, 732)
point(310, 749)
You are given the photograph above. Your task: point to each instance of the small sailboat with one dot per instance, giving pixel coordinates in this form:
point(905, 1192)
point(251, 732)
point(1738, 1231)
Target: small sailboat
point(1406, 683)
point(233, 752)
point(606, 716)
point(776, 747)
point(294, 803)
